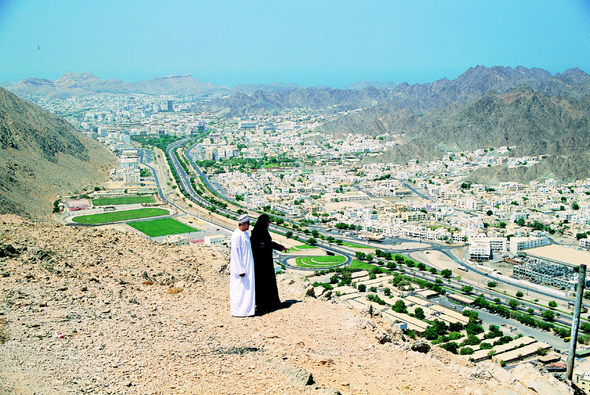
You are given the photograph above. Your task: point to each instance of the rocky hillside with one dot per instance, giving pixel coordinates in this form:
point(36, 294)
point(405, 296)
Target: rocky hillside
point(42, 156)
point(88, 310)
point(418, 98)
point(249, 99)
point(532, 122)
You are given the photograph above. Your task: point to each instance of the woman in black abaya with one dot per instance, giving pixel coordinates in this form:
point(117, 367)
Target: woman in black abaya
point(267, 294)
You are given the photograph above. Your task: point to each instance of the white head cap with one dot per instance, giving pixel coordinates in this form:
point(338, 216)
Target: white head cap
point(243, 219)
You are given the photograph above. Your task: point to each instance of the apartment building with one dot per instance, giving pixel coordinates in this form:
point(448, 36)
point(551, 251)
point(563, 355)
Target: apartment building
point(524, 243)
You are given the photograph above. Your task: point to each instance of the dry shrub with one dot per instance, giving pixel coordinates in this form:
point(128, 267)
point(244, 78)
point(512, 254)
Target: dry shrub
point(147, 283)
point(174, 290)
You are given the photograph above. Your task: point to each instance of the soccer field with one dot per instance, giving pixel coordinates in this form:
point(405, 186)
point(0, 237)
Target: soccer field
point(320, 262)
point(123, 200)
point(114, 216)
point(161, 227)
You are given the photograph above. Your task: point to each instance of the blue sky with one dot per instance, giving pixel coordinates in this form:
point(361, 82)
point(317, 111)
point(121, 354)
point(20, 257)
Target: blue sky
point(333, 43)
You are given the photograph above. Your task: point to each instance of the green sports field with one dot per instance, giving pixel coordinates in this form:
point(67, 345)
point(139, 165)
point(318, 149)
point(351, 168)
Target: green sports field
point(302, 247)
point(356, 264)
point(161, 227)
point(114, 216)
point(319, 262)
point(123, 200)
point(353, 245)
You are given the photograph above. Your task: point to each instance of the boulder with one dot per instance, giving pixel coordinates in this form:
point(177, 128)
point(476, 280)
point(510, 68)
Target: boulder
point(327, 295)
point(383, 337)
point(300, 377)
point(421, 346)
point(531, 378)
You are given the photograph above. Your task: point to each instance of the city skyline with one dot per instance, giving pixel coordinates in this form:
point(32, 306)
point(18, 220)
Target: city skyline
point(334, 44)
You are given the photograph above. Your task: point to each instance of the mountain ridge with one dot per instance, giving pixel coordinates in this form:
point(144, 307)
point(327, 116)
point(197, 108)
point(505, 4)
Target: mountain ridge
point(43, 156)
point(84, 84)
point(533, 122)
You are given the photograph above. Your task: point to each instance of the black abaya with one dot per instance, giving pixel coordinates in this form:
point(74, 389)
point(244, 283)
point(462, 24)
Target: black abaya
point(267, 293)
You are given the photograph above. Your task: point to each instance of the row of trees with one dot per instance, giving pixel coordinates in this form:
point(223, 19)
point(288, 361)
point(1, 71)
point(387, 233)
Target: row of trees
point(523, 318)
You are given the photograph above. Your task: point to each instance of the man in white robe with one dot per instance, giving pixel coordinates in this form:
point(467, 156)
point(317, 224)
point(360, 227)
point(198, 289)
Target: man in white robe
point(241, 282)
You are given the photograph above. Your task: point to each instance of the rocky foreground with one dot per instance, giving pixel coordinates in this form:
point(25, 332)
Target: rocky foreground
point(89, 310)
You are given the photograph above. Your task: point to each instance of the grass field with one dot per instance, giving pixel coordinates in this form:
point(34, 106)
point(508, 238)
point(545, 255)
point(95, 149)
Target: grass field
point(353, 245)
point(161, 227)
point(119, 216)
point(302, 247)
point(356, 264)
point(319, 262)
point(122, 200)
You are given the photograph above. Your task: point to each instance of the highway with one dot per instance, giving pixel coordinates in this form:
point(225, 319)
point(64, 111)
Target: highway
point(163, 197)
point(446, 250)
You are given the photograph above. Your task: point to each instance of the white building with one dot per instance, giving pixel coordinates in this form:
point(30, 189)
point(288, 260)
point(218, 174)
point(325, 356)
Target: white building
point(479, 250)
point(524, 243)
point(214, 239)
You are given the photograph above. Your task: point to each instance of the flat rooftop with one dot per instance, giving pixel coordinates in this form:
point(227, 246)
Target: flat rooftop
point(560, 254)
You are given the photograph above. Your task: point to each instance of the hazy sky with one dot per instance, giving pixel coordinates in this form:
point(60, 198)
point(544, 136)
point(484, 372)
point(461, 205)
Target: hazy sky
point(316, 42)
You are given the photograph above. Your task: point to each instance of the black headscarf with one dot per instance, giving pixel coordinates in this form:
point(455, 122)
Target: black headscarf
point(261, 226)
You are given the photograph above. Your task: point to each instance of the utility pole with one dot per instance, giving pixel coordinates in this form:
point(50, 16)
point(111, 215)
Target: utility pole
point(576, 321)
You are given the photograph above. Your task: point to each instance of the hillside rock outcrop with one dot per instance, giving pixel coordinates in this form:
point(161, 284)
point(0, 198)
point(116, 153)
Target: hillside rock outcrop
point(91, 310)
point(41, 155)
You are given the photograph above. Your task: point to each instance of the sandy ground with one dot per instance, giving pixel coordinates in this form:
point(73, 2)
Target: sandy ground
point(141, 317)
point(407, 245)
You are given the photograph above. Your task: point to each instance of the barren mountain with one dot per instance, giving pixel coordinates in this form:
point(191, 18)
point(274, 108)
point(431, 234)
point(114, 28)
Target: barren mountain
point(418, 98)
point(41, 156)
point(533, 122)
point(73, 84)
point(99, 311)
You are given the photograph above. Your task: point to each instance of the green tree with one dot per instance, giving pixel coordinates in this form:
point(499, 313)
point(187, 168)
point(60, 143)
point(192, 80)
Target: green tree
point(419, 313)
point(519, 294)
point(451, 347)
point(446, 273)
point(513, 303)
point(436, 329)
point(311, 241)
point(553, 304)
point(399, 307)
point(361, 287)
point(467, 289)
point(472, 340)
point(466, 351)
point(548, 315)
point(485, 346)
point(288, 234)
point(473, 329)
point(492, 284)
